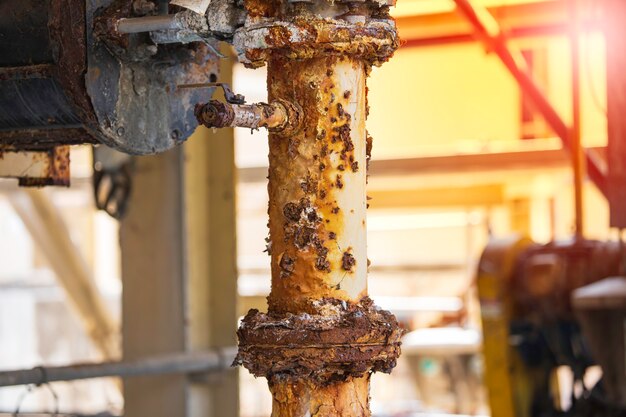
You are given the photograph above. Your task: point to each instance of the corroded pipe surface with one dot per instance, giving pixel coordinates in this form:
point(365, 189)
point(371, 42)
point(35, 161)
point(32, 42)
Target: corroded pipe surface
point(322, 337)
point(302, 398)
point(317, 185)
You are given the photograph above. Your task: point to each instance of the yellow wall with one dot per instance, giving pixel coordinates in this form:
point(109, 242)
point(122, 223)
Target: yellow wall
point(457, 98)
point(449, 95)
point(440, 96)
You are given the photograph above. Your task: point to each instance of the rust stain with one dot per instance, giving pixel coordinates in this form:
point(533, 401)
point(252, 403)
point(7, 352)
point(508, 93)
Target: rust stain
point(67, 28)
point(261, 8)
point(303, 208)
point(278, 37)
point(56, 163)
point(60, 167)
point(335, 400)
point(347, 261)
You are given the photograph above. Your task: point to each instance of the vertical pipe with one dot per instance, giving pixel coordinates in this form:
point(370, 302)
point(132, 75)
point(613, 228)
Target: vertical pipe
point(578, 162)
point(322, 336)
point(614, 16)
point(304, 399)
point(317, 214)
point(317, 197)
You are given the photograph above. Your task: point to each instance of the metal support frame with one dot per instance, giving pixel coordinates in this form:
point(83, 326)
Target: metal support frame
point(487, 29)
point(577, 151)
point(153, 281)
point(518, 20)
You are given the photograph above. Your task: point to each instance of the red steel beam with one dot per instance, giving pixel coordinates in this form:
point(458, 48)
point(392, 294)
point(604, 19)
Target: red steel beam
point(549, 29)
point(487, 30)
point(615, 32)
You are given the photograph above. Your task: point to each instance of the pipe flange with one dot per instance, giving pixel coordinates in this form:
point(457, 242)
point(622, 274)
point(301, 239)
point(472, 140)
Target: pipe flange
point(375, 40)
point(343, 341)
point(294, 120)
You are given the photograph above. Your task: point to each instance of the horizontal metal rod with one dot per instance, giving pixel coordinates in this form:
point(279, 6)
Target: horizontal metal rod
point(547, 29)
point(148, 23)
point(217, 360)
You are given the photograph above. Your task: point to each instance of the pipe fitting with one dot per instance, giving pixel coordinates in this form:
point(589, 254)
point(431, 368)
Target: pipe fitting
point(278, 116)
point(350, 342)
point(374, 41)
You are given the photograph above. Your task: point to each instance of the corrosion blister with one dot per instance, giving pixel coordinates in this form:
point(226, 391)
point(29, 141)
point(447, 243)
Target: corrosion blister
point(347, 261)
point(286, 265)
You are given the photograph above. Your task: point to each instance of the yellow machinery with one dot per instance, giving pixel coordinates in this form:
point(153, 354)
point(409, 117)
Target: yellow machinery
point(531, 328)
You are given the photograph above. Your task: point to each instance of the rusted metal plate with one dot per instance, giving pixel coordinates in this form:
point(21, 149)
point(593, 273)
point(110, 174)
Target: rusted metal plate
point(37, 168)
point(41, 72)
point(40, 139)
point(58, 76)
point(135, 94)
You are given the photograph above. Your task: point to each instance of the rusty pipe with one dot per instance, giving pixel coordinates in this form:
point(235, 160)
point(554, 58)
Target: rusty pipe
point(278, 115)
point(322, 336)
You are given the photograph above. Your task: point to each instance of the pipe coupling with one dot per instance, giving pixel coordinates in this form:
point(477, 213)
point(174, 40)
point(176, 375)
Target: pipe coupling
point(342, 341)
point(278, 116)
point(374, 41)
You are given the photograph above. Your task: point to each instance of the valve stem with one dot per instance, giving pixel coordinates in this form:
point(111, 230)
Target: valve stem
point(276, 116)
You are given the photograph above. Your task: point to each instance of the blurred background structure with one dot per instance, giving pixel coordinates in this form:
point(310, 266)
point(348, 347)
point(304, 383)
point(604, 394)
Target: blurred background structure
point(462, 154)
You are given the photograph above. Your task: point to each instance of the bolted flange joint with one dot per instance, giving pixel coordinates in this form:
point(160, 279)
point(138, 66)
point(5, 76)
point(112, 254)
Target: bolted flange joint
point(345, 340)
point(374, 40)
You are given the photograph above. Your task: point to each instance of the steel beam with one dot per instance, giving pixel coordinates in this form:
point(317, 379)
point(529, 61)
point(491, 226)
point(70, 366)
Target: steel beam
point(545, 18)
point(517, 158)
point(577, 151)
point(154, 322)
point(472, 196)
point(615, 31)
point(487, 29)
